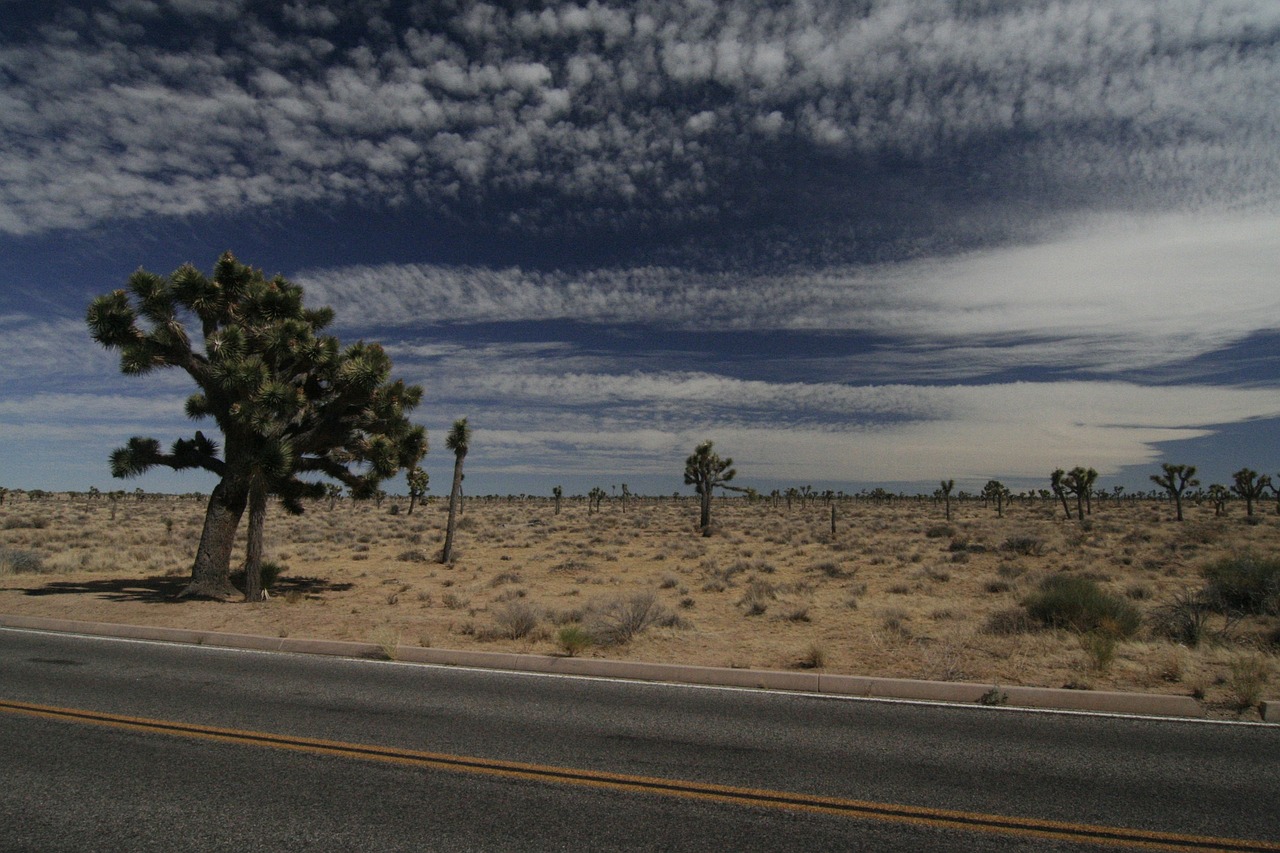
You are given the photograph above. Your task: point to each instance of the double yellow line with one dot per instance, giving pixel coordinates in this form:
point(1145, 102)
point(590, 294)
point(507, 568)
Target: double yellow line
point(760, 798)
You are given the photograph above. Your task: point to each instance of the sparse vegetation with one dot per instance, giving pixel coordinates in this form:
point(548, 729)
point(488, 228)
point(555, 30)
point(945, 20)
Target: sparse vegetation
point(881, 598)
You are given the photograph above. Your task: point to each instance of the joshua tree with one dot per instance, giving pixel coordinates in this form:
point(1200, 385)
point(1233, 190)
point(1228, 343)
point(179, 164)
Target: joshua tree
point(1175, 480)
point(1079, 482)
point(1056, 482)
point(459, 441)
point(996, 492)
point(287, 399)
point(557, 493)
point(1218, 496)
point(704, 470)
point(332, 491)
point(419, 483)
point(594, 498)
point(945, 491)
point(1250, 486)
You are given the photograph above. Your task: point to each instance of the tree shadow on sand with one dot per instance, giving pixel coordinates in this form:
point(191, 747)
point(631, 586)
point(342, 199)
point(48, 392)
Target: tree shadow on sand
point(164, 589)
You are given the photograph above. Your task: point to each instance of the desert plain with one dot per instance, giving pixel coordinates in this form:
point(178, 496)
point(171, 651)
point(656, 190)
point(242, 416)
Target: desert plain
point(897, 590)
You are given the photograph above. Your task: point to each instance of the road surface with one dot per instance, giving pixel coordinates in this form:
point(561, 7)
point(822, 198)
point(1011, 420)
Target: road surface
point(113, 745)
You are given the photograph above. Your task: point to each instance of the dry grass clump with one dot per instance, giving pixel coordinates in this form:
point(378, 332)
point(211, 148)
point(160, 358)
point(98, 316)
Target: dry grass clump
point(897, 591)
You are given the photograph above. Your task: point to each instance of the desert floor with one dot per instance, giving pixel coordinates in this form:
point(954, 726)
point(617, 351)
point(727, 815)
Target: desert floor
point(895, 591)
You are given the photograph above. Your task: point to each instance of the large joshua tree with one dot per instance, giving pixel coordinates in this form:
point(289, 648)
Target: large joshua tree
point(705, 471)
point(288, 400)
point(1175, 480)
point(459, 441)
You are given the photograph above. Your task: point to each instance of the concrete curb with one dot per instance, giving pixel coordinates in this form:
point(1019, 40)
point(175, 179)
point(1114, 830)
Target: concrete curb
point(1142, 704)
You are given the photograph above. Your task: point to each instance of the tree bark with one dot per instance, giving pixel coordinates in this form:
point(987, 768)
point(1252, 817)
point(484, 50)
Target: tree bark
point(253, 551)
point(446, 553)
point(210, 573)
point(704, 519)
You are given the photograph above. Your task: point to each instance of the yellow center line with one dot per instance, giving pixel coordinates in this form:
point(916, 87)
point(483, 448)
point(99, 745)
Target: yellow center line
point(762, 798)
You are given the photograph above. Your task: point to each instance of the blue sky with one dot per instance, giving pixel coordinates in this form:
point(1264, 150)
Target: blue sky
point(857, 244)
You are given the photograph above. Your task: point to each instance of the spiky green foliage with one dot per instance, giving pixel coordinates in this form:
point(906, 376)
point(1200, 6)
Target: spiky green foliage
point(1175, 480)
point(459, 441)
point(705, 471)
point(996, 493)
point(288, 400)
point(1251, 486)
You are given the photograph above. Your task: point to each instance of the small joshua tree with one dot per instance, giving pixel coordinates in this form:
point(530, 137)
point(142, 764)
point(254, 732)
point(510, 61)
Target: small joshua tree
point(459, 441)
point(1057, 483)
point(557, 492)
point(1219, 495)
point(1250, 486)
point(944, 491)
point(705, 470)
point(1175, 480)
point(418, 482)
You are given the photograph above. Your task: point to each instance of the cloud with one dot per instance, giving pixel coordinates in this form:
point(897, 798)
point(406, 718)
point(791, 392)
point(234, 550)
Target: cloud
point(1016, 432)
point(630, 114)
point(1108, 297)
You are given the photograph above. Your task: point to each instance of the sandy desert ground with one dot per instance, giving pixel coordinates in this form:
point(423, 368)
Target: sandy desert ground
point(896, 591)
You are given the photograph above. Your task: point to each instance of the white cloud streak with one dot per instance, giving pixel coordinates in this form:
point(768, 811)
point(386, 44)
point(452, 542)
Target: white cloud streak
point(1110, 297)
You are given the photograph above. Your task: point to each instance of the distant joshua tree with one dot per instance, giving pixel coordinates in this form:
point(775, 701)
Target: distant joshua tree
point(705, 471)
point(1056, 482)
point(1250, 486)
point(459, 441)
point(945, 491)
point(419, 483)
point(1079, 482)
point(557, 492)
point(1175, 480)
point(594, 498)
point(1218, 495)
point(996, 492)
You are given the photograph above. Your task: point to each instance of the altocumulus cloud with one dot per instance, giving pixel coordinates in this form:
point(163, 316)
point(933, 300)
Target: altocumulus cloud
point(624, 113)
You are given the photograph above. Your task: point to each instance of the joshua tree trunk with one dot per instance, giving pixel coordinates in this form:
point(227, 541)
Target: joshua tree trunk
point(446, 554)
point(704, 519)
point(212, 567)
point(253, 551)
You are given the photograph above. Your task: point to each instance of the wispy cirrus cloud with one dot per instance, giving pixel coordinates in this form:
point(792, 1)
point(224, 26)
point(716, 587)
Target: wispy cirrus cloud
point(1112, 297)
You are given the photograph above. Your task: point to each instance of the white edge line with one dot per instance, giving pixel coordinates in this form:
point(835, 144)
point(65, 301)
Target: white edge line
point(726, 688)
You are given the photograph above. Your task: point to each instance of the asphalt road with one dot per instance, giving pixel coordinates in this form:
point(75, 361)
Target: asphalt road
point(604, 765)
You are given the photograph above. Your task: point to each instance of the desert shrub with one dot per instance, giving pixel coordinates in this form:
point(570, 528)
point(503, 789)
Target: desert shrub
point(505, 577)
point(815, 657)
point(940, 531)
point(1248, 674)
point(1028, 546)
point(1079, 604)
point(16, 561)
point(618, 621)
point(269, 571)
point(997, 585)
point(832, 569)
point(1248, 583)
point(1100, 648)
point(34, 522)
point(573, 639)
point(1184, 620)
point(516, 620)
point(757, 597)
point(412, 556)
point(1012, 620)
